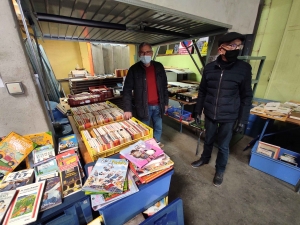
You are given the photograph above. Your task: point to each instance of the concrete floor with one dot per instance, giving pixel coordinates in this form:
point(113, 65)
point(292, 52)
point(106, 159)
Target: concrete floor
point(247, 195)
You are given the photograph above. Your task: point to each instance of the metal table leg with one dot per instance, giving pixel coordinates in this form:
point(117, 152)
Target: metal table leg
point(182, 106)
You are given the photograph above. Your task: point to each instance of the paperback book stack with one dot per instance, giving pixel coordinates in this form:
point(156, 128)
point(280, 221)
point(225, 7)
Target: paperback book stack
point(114, 134)
point(96, 114)
point(147, 160)
point(109, 180)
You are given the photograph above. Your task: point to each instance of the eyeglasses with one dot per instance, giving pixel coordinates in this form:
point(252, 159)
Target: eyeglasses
point(146, 53)
point(234, 46)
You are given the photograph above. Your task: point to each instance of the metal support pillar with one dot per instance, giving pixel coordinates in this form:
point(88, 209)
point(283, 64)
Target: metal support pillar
point(192, 57)
point(156, 53)
point(198, 53)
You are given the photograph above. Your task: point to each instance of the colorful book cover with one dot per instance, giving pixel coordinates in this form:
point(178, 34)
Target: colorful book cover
point(5, 200)
point(60, 157)
point(43, 138)
point(67, 143)
point(156, 207)
point(52, 194)
point(67, 158)
point(70, 180)
point(13, 150)
point(108, 175)
point(99, 201)
point(150, 177)
point(141, 153)
point(160, 163)
point(42, 155)
point(17, 179)
point(47, 167)
point(25, 206)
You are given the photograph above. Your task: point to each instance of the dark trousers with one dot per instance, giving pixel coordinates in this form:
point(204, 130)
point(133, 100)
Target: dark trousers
point(224, 134)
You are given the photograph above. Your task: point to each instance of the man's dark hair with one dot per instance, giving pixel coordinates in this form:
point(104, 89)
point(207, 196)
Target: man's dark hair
point(144, 44)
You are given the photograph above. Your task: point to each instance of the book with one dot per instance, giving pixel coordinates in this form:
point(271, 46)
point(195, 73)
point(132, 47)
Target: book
point(14, 149)
point(108, 175)
point(156, 207)
point(160, 163)
point(101, 200)
point(52, 195)
point(17, 179)
point(25, 206)
point(40, 155)
point(47, 167)
point(5, 200)
point(150, 177)
point(67, 158)
point(295, 115)
point(267, 149)
point(67, 143)
point(272, 106)
point(141, 153)
point(70, 180)
point(43, 138)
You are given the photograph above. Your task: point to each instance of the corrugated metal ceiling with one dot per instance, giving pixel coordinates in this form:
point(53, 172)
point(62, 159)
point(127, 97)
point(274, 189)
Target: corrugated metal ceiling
point(154, 25)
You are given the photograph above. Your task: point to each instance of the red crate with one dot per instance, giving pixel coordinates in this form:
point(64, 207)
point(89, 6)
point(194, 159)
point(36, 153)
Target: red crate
point(107, 92)
point(84, 99)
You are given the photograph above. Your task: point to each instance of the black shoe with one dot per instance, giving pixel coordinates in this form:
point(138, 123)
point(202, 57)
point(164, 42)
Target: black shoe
point(218, 179)
point(199, 163)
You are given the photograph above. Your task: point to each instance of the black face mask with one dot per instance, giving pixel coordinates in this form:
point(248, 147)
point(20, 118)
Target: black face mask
point(232, 55)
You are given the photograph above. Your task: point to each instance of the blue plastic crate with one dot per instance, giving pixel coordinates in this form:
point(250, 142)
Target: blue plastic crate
point(176, 113)
point(275, 167)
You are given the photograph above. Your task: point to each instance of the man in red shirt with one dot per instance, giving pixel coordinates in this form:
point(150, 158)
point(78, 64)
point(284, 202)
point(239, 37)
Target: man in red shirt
point(148, 81)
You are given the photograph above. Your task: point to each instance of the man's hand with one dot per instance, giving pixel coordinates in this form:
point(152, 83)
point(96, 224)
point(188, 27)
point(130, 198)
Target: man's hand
point(166, 108)
point(197, 118)
point(127, 115)
point(239, 128)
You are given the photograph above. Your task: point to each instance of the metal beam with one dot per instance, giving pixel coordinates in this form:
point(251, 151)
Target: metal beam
point(78, 22)
point(210, 44)
point(198, 53)
point(156, 52)
point(164, 32)
point(192, 57)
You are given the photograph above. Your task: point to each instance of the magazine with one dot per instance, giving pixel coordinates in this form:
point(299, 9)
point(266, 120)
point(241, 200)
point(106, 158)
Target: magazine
point(5, 200)
point(108, 175)
point(25, 206)
point(43, 138)
point(141, 153)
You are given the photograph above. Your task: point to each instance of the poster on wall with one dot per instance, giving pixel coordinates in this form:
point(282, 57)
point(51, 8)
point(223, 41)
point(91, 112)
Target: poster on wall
point(202, 45)
point(182, 50)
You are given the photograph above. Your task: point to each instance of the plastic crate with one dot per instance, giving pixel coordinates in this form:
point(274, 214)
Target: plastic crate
point(84, 99)
point(107, 92)
point(176, 113)
point(80, 128)
point(275, 167)
point(96, 155)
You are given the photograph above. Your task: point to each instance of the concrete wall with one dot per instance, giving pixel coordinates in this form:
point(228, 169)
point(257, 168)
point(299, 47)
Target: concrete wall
point(22, 114)
point(284, 83)
point(241, 14)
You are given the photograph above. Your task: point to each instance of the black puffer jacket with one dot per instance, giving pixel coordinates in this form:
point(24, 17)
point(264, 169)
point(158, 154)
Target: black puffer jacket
point(136, 81)
point(225, 91)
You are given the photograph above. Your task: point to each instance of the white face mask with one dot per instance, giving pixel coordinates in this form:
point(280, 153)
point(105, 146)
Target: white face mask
point(145, 59)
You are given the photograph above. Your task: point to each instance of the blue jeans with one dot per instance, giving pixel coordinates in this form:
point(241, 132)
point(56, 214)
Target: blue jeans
point(155, 118)
point(224, 132)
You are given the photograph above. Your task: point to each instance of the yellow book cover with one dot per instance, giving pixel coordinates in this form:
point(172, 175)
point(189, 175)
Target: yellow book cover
point(13, 150)
point(43, 138)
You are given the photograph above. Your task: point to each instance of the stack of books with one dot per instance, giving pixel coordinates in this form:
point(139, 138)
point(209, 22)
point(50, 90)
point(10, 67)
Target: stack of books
point(114, 134)
point(147, 160)
point(109, 180)
point(96, 114)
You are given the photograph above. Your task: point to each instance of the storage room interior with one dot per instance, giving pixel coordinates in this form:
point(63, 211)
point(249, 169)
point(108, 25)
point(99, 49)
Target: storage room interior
point(256, 189)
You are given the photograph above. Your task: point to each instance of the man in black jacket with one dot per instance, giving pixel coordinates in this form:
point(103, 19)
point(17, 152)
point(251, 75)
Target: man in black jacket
point(225, 96)
point(148, 81)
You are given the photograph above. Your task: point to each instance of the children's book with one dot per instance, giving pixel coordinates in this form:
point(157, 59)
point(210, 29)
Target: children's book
point(52, 194)
point(70, 180)
point(101, 200)
point(13, 150)
point(5, 200)
point(42, 155)
point(160, 163)
point(141, 153)
point(67, 158)
point(108, 175)
point(49, 166)
point(150, 177)
point(43, 138)
point(67, 143)
point(25, 206)
point(17, 179)
point(156, 207)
